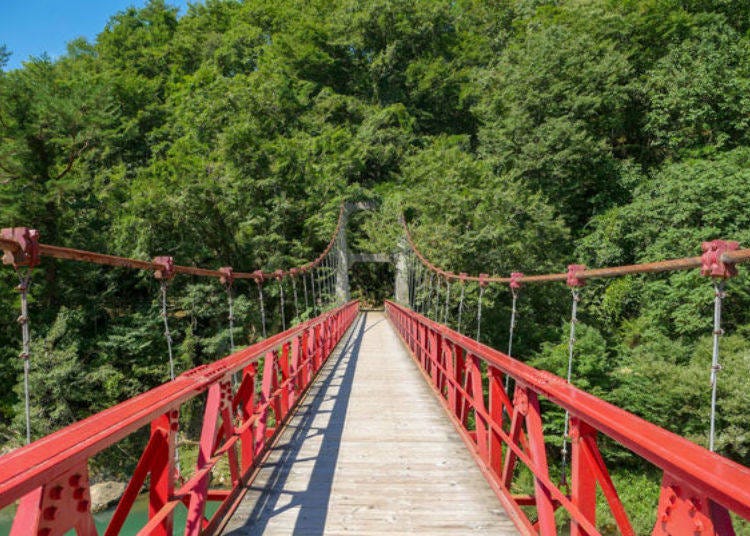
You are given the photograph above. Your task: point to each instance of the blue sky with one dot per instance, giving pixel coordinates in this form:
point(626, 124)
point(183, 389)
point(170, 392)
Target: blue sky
point(32, 27)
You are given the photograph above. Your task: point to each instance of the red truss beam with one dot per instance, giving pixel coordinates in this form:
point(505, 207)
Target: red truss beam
point(699, 487)
point(50, 476)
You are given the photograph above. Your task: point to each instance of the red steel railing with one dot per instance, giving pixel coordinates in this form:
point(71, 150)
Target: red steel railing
point(50, 476)
point(698, 489)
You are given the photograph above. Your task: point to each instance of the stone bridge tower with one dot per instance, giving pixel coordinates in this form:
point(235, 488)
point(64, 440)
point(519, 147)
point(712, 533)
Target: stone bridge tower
point(347, 259)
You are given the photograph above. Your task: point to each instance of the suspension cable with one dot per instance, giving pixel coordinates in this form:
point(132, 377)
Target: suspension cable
point(280, 279)
point(259, 282)
point(574, 283)
point(714, 265)
point(482, 285)
point(334, 272)
point(429, 296)
point(294, 290)
point(322, 287)
point(461, 300)
point(332, 276)
point(304, 286)
point(328, 281)
point(23, 320)
point(515, 287)
point(719, 296)
point(228, 281)
point(412, 279)
point(167, 334)
point(436, 305)
point(312, 287)
point(420, 289)
point(447, 299)
point(230, 303)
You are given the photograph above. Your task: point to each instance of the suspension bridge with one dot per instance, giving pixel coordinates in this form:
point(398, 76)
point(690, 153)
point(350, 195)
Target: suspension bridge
point(369, 422)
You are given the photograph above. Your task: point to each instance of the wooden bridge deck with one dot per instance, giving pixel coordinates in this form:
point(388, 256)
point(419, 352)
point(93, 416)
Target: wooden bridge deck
point(370, 451)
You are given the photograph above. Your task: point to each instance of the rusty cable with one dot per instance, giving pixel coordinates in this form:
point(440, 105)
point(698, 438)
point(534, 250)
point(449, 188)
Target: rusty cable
point(730, 257)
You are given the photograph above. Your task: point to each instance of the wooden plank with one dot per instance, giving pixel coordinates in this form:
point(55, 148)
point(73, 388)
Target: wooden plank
point(370, 452)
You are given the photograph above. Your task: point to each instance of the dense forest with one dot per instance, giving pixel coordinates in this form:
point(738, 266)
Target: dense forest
point(515, 135)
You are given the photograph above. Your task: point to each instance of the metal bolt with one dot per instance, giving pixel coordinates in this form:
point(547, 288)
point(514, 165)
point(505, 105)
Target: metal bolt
point(50, 513)
point(55, 493)
point(83, 506)
point(44, 532)
point(79, 493)
point(74, 481)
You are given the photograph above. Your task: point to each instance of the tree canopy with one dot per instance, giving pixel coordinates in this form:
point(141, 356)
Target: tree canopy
point(515, 135)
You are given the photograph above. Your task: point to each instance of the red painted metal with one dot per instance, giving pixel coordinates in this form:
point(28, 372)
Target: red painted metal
point(712, 260)
point(20, 246)
point(50, 478)
point(573, 279)
point(699, 489)
point(166, 267)
point(228, 275)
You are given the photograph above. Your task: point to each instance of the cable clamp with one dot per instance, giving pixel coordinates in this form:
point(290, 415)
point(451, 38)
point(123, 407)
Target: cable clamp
point(166, 272)
point(573, 280)
point(712, 264)
point(227, 275)
point(27, 252)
